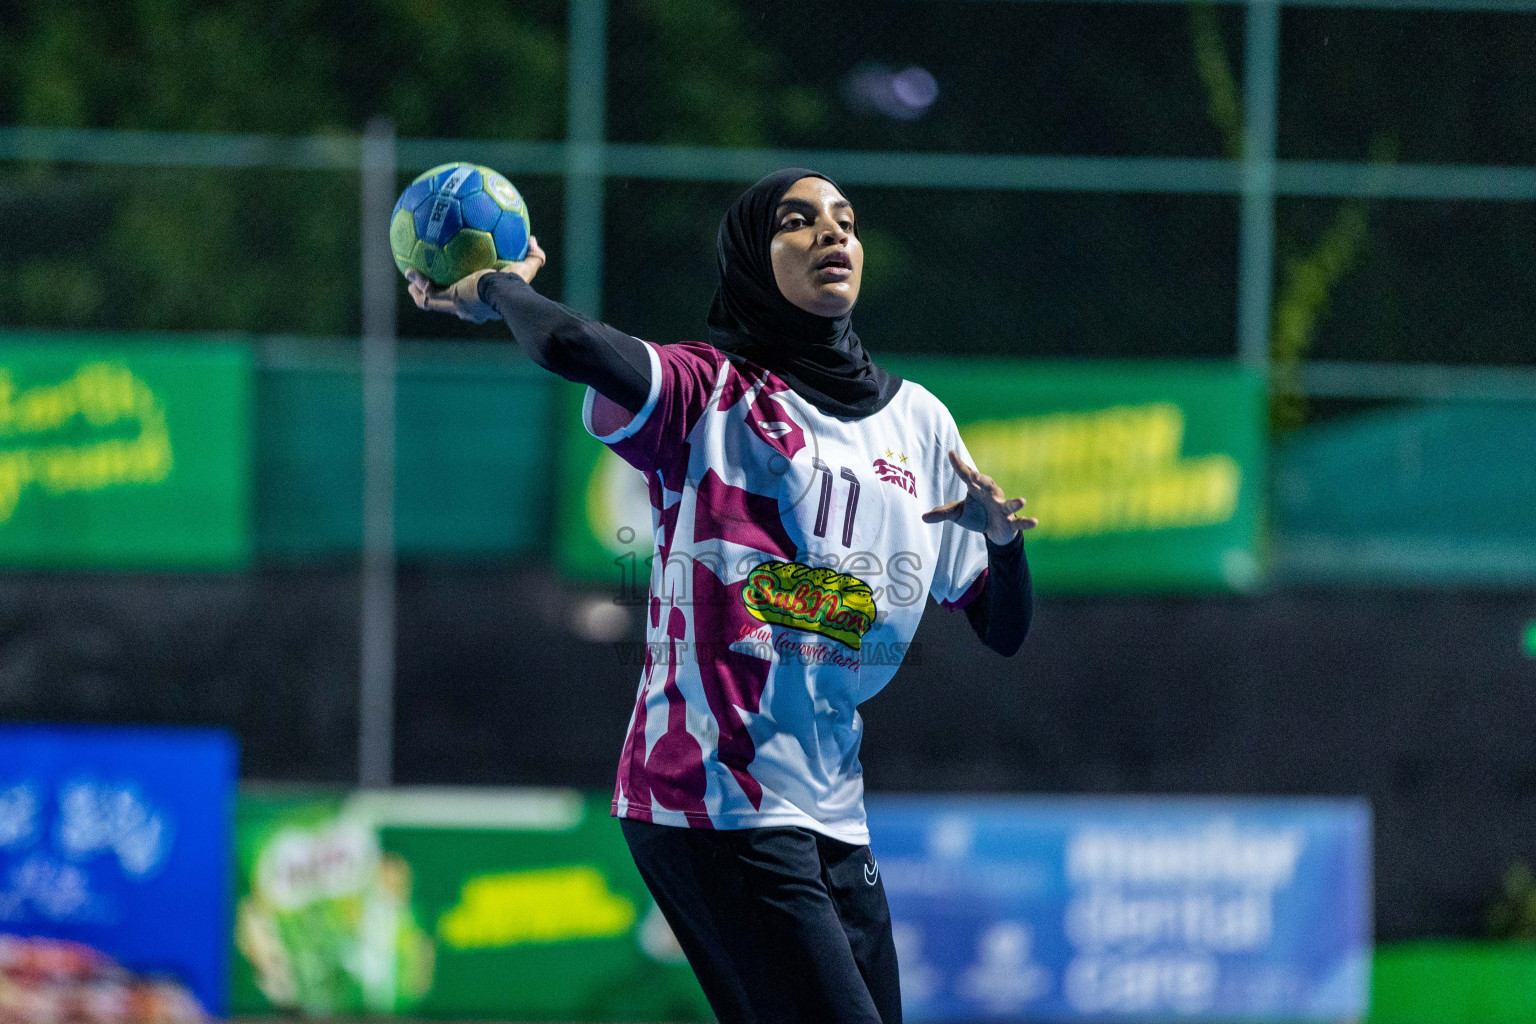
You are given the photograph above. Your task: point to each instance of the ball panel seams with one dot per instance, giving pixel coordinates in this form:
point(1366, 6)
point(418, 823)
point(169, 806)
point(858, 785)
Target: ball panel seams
point(470, 185)
point(413, 196)
point(433, 172)
point(428, 259)
point(469, 251)
point(452, 219)
point(511, 234)
point(441, 177)
point(480, 211)
point(402, 234)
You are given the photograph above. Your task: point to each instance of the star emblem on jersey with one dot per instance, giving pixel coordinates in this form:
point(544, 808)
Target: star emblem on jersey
point(888, 470)
point(816, 600)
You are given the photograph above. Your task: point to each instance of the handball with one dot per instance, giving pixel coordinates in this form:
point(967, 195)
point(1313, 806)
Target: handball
point(456, 219)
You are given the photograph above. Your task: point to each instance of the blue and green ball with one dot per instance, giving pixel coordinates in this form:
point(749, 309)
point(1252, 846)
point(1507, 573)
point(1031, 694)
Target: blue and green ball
point(456, 219)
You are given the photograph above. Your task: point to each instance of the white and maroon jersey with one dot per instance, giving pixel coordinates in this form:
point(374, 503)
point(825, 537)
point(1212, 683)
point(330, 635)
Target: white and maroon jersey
point(791, 568)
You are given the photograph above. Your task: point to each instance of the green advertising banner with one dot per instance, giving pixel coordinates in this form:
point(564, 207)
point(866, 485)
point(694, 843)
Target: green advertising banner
point(323, 918)
point(1145, 476)
point(472, 449)
point(603, 532)
point(450, 904)
point(121, 454)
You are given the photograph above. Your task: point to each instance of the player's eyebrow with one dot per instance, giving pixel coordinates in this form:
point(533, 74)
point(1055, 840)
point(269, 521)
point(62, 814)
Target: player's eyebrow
point(805, 206)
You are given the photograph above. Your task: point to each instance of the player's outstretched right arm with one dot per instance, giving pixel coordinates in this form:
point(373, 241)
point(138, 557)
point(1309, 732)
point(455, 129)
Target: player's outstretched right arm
point(578, 348)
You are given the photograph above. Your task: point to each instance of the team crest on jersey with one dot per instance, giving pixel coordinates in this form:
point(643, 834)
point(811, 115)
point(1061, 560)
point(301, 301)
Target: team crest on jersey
point(892, 469)
point(817, 600)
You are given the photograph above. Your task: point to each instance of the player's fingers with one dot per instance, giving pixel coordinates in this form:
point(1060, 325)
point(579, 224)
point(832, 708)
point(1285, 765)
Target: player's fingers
point(528, 267)
point(465, 305)
point(439, 301)
point(1024, 522)
point(422, 285)
point(467, 289)
point(422, 288)
point(1013, 504)
point(945, 512)
point(966, 474)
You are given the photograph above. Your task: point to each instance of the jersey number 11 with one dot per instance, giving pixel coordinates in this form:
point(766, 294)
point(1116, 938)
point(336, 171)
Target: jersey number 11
point(824, 507)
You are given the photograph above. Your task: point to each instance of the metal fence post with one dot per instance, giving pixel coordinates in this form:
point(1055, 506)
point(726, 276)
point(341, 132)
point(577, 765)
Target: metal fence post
point(1256, 224)
point(586, 101)
point(376, 625)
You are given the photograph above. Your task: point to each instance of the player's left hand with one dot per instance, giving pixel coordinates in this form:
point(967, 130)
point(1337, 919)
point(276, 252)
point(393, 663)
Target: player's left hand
point(462, 298)
point(985, 508)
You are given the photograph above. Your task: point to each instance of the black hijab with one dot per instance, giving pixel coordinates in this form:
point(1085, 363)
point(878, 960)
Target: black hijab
point(819, 357)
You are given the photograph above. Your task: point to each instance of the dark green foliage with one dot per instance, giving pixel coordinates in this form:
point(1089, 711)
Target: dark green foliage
point(1513, 914)
point(272, 250)
point(995, 272)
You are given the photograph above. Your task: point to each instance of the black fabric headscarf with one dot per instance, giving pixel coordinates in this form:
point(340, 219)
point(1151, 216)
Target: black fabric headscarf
point(819, 357)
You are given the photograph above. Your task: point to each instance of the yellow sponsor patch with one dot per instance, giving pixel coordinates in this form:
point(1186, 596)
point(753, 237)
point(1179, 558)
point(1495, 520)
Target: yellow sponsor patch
point(817, 600)
point(518, 908)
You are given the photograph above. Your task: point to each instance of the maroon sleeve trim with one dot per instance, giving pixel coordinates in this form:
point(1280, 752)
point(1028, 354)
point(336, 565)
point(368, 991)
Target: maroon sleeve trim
point(971, 593)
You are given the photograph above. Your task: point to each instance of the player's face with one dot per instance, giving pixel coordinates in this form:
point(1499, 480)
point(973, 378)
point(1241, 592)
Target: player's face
point(817, 259)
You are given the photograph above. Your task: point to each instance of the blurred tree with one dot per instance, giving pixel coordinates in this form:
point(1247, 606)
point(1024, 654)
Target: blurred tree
point(684, 74)
point(978, 271)
point(270, 250)
point(1309, 272)
point(1512, 915)
point(973, 271)
point(289, 66)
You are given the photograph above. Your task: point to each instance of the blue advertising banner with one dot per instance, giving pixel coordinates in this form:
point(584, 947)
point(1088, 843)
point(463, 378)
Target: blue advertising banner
point(1119, 908)
point(116, 860)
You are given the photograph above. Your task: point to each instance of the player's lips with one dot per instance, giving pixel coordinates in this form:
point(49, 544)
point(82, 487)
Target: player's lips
point(836, 266)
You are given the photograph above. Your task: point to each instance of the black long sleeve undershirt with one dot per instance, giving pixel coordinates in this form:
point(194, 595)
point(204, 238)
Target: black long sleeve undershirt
point(1001, 613)
point(578, 348)
point(617, 366)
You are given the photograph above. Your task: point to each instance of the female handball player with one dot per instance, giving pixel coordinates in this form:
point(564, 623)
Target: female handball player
point(805, 503)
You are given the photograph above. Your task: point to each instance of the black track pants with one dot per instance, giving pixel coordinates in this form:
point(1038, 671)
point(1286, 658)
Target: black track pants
point(781, 925)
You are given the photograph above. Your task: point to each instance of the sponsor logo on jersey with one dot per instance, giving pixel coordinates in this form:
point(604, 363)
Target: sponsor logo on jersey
point(775, 428)
point(789, 649)
point(817, 600)
point(888, 470)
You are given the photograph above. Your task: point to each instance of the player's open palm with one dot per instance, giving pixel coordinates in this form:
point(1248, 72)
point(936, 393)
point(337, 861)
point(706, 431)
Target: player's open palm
point(462, 298)
point(985, 508)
